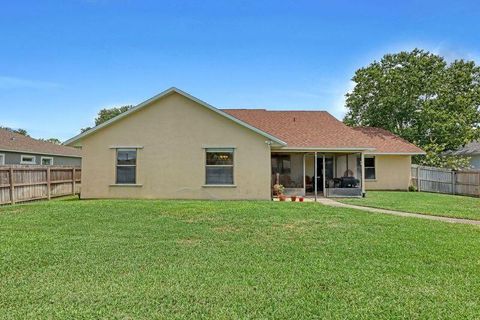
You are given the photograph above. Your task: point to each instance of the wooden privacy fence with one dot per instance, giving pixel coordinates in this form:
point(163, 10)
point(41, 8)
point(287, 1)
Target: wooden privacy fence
point(24, 183)
point(462, 182)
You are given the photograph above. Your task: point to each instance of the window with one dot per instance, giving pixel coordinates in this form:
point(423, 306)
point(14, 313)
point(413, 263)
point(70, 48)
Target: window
point(219, 167)
point(126, 164)
point(2, 159)
point(24, 159)
point(281, 164)
point(46, 161)
point(370, 168)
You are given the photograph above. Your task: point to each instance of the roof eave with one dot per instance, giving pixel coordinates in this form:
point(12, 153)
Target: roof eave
point(397, 153)
point(343, 149)
point(40, 153)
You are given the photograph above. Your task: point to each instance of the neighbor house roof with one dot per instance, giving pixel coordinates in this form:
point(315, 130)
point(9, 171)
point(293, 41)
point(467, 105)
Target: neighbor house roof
point(11, 141)
point(473, 148)
point(319, 129)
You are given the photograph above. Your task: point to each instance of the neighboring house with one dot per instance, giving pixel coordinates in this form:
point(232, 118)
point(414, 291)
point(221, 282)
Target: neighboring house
point(176, 146)
point(17, 149)
point(471, 150)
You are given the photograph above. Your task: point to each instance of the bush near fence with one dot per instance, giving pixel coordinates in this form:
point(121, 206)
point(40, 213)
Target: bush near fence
point(27, 183)
point(440, 180)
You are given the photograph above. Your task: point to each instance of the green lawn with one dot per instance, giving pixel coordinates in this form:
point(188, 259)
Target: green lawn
point(195, 259)
point(422, 202)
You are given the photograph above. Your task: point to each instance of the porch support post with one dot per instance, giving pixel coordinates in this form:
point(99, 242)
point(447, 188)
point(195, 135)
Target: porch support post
point(304, 180)
point(324, 178)
point(315, 176)
point(362, 163)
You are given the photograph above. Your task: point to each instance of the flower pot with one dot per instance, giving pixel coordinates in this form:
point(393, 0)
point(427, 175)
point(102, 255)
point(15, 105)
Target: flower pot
point(282, 197)
point(300, 199)
point(294, 198)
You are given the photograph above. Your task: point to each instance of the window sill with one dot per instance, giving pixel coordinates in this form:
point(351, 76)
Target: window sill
point(126, 185)
point(370, 180)
point(219, 186)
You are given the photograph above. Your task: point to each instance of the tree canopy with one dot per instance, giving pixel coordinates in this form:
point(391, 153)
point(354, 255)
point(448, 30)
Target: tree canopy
point(19, 131)
point(107, 114)
point(423, 99)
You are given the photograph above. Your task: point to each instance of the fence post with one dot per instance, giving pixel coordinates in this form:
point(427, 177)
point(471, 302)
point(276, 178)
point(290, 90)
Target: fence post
point(73, 181)
point(454, 182)
point(48, 183)
point(12, 187)
point(418, 178)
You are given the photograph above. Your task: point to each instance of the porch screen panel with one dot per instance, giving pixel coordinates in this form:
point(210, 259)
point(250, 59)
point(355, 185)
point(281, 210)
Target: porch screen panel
point(219, 167)
point(281, 164)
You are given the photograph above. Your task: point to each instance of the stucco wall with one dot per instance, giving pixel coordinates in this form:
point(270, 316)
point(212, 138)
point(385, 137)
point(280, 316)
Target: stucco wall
point(173, 132)
point(392, 173)
point(15, 157)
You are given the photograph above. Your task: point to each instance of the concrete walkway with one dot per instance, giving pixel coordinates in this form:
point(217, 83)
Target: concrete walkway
point(333, 203)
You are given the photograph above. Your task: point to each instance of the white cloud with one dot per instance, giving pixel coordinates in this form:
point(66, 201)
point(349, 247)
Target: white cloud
point(447, 50)
point(13, 83)
point(339, 110)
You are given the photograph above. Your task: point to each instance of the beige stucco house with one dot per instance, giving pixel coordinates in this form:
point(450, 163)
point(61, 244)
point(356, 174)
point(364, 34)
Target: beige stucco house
point(175, 146)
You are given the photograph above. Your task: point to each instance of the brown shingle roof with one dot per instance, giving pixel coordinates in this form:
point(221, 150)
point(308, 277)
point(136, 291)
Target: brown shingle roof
point(473, 148)
point(387, 142)
point(319, 129)
point(11, 141)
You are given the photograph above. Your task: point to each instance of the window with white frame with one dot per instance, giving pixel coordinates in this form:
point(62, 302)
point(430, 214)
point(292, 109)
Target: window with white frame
point(370, 168)
point(2, 159)
point(27, 159)
point(46, 161)
point(219, 166)
point(126, 166)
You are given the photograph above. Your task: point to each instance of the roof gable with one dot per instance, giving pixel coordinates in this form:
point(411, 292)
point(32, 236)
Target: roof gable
point(158, 97)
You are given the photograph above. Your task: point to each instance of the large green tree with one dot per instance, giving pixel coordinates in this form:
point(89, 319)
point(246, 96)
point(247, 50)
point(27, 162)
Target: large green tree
point(420, 97)
point(107, 114)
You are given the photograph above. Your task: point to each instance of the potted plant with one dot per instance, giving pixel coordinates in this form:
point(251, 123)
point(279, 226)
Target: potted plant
point(278, 189)
point(294, 198)
point(300, 199)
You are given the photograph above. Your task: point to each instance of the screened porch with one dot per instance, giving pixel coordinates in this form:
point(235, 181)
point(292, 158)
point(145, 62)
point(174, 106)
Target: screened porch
point(315, 174)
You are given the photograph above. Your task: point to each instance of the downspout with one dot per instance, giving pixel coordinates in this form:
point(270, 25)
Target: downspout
point(362, 163)
point(315, 178)
point(324, 178)
point(269, 143)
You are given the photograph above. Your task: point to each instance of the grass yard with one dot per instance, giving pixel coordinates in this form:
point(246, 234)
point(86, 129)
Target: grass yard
point(195, 259)
point(421, 202)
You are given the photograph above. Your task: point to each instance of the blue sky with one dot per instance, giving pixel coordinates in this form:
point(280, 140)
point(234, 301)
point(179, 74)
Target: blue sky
point(62, 61)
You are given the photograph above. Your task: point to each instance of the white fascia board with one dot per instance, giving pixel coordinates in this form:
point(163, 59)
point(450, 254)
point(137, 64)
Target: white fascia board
point(311, 149)
point(40, 153)
point(395, 153)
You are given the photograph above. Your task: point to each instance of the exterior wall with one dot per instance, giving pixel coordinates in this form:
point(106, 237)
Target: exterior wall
point(173, 132)
point(392, 173)
point(15, 157)
point(475, 161)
